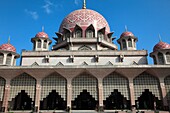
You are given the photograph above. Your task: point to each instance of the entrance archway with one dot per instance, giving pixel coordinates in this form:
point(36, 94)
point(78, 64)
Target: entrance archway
point(147, 100)
point(116, 101)
point(23, 101)
point(53, 102)
point(84, 101)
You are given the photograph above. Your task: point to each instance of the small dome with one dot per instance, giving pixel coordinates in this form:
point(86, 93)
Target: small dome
point(161, 45)
point(126, 33)
point(84, 18)
point(7, 47)
point(41, 35)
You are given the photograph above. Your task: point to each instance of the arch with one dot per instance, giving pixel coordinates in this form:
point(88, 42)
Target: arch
point(9, 59)
point(1, 58)
point(168, 57)
point(78, 32)
point(54, 85)
point(129, 42)
point(149, 84)
point(45, 44)
point(160, 58)
point(84, 47)
point(101, 33)
point(66, 33)
point(24, 86)
point(154, 59)
point(39, 43)
point(84, 84)
point(116, 83)
point(123, 43)
point(2, 85)
point(90, 32)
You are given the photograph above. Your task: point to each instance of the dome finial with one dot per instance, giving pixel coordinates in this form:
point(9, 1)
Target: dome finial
point(42, 28)
point(126, 29)
point(84, 4)
point(9, 40)
point(160, 39)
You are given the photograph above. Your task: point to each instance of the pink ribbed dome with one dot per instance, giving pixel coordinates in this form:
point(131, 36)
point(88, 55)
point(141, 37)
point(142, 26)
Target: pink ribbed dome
point(126, 33)
point(41, 35)
point(161, 45)
point(7, 47)
point(84, 18)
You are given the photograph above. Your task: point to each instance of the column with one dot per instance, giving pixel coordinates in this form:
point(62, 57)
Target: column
point(4, 60)
point(12, 60)
point(69, 93)
point(163, 91)
point(100, 88)
point(6, 96)
point(132, 93)
point(37, 96)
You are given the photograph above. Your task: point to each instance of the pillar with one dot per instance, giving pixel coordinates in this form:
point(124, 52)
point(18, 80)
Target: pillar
point(100, 89)
point(69, 93)
point(164, 93)
point(132, 93)
point(6, 96)
point(37, 96)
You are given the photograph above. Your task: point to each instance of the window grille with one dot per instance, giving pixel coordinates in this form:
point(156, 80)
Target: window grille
point(2, 85)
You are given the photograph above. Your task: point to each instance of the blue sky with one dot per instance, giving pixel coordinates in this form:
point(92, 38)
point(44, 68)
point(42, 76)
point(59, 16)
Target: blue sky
point(22, 19)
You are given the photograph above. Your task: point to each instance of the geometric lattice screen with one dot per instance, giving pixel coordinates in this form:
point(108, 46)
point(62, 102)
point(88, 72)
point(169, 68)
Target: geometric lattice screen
point(2, 85)
point(115, 81)
point(84, 82)
point(146, 81)
point(23, 82)
point(54, 82)
point(167, 86)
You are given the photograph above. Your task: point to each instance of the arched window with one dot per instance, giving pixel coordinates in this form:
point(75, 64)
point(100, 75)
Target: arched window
point(154, 60)
point(160, 58)
point(129, 42)
point(78, 33)
point(100, 35)
point(89, 33)
point(39, 44)
point(124, 44)
point(66, 35)
point(168, 57)
point(8, 59)
point(45, 44)
point(1, 58)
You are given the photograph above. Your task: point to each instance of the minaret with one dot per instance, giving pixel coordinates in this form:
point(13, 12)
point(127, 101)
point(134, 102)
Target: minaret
point(84, 4)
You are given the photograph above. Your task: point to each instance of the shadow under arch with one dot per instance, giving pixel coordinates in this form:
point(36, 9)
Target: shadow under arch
point(85, 92)
point(2, 86)
point(53, 92)
point(147, 84)
point(116, 90)
point(23, 87)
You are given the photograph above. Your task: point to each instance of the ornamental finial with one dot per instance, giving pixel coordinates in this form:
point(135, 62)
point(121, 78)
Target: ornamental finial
point(84, 4)
point(160, 39)
point(42, 28)
point(9, 40)
point(126, 29)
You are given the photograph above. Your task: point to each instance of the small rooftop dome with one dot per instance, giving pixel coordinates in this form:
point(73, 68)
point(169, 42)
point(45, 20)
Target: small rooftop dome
point(7, 47)
point(126, 33)
point(161, 45)
point(41, 35)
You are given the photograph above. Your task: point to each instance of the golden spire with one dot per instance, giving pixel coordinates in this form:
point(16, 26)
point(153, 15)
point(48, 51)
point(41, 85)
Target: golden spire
point(9, 40)
point(84, 4)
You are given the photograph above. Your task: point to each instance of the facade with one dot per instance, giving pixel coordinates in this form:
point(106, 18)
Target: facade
point(84, 70)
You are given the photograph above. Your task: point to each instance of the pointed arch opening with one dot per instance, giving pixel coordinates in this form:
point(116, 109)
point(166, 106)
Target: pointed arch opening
point(124, 44)
point(78, 32)
point(66, 33)
point(168, 57)
point(129, 42)
point(53, 92)
point(116, 90)
point(22, 92)
point(85, 92)
point(2, 86)
point(161, 58)
point(147, 84)
point(45, 44)
point(39, 43)
point(101, 33)
point(9, 59)
point(90, 32)
point(1, 58)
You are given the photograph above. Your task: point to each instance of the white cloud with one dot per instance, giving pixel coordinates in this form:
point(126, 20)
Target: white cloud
point(48, 6)
point(77, 2)
point(33, 14)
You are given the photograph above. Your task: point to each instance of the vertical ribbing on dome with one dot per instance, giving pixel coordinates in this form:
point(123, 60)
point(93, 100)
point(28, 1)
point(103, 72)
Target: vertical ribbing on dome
point(84, 4)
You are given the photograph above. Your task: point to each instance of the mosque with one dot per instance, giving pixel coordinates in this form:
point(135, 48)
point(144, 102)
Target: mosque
point(84, 71)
